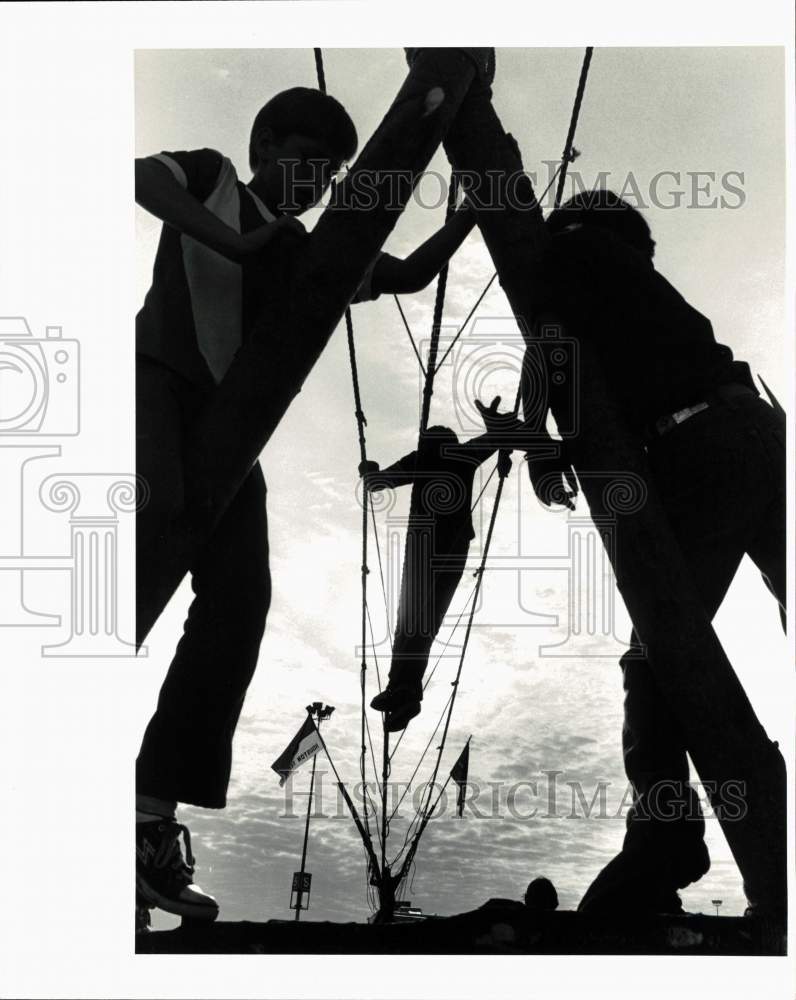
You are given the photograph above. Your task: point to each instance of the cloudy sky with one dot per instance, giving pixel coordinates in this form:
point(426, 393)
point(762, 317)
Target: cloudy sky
point(681, 129)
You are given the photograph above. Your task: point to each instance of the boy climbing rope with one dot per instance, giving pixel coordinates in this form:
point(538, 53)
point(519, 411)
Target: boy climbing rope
point(438, 540)
point(223, 246)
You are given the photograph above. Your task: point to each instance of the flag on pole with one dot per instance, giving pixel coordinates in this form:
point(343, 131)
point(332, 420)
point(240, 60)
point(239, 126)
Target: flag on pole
point(305, 744)
point(459, 775)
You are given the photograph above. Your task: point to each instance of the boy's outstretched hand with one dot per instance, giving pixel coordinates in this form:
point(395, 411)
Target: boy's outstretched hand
point(504, 424)
point(367, 471)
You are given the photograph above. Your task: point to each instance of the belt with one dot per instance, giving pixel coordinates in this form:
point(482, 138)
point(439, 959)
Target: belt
point(720, 394)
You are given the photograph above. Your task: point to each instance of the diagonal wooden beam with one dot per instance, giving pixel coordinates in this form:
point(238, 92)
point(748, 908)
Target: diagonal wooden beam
point(306, 299)
point(724, 737)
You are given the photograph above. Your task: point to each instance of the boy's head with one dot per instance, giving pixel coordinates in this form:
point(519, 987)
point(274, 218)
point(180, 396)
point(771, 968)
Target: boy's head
point(439, 437)
point(299, 140)
point(605, 210)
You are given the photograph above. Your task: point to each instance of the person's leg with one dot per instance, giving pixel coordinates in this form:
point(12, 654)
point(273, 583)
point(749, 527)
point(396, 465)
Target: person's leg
point(187, 748)
point(164, 403)
point(164, 406)
point(427, 589)
point(713, 486)
point(186, 752)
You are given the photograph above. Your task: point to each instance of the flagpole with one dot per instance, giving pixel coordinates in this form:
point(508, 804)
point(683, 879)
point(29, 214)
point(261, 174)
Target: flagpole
point(322, 712)
point(300, 893)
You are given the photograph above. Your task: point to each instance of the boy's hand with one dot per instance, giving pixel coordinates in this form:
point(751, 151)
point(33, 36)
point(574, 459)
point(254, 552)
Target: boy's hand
point(553, 480)
point(504, 424)
point(367, 471)
point(283, 228)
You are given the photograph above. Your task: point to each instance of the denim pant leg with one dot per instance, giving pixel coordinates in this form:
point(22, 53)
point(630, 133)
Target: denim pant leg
point(187, 748)
point(186, 753)
point(718, 480)
point(426, 592)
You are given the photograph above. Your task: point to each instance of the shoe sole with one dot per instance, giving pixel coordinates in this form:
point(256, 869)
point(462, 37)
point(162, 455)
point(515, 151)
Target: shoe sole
point(195, 911)
point(400, 719)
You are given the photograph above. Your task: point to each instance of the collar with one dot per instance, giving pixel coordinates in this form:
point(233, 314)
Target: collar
point(262, 208)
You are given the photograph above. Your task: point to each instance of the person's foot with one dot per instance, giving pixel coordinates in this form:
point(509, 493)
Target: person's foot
point(164, 878)
point(643, 881)
point(143, 918)
point(401, 704)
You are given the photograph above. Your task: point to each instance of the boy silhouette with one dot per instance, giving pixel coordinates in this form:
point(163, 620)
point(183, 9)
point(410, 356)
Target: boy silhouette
point(438, 540)
point(222, 245)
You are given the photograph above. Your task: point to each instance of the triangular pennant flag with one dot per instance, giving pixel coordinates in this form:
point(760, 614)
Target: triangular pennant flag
point(459, 775)
point(305, 744)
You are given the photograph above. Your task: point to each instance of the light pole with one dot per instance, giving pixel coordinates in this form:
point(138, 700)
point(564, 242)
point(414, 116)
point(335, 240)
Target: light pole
point(301, 879)
point(717, 903)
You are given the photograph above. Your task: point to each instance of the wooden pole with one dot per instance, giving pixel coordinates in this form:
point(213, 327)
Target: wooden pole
point(724, 737)
point(307, 297)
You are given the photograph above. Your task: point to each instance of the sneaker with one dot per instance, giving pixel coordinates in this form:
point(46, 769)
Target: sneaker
point(143, 918)
point(164, 878)
point(401, 703)
point(643, 881)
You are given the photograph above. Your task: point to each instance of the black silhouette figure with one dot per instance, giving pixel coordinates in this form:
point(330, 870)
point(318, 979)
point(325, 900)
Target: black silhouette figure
point(716, 453)
point(438, 540)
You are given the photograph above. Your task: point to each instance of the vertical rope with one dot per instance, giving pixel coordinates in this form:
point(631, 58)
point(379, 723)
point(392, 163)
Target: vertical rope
point(428, 391)
point(566, 156)
point(436, 322)
point(364, 570)
point(319, 70)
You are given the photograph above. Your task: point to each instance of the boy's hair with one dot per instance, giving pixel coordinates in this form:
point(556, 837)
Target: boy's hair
point(306, 111)
point(606, 210)
point(441, 436)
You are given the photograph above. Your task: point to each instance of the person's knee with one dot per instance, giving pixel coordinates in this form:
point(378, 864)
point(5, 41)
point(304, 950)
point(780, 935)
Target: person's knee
point(244, 601)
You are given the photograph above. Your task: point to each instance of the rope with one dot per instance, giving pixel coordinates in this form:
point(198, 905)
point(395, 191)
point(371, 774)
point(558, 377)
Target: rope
point(461, 329)
point(431, 369)
point(503, 472)
point(567, 156)
point(411, 338)
point(361, 424)
point(319, 70)
point(383, 584)
point(422, 756)
point(436, 323)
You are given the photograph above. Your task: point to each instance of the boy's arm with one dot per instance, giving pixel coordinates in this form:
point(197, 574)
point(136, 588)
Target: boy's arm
point(158, 191)
point(479, 449)
point(397, 474)
point(549, 467)
point(395, 276)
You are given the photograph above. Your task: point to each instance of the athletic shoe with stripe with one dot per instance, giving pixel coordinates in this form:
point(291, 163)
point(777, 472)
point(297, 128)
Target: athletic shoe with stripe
point(164, 877)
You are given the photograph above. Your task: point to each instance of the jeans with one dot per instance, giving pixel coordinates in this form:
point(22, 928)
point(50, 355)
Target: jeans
point(721, 477)
point(432, 572)
point(186, 752)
